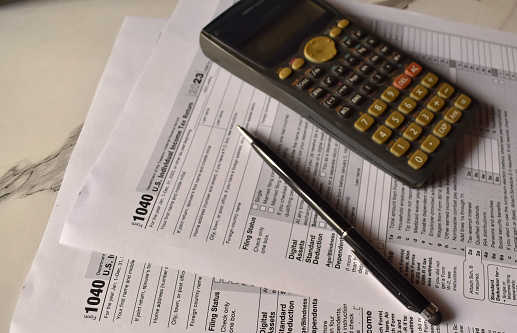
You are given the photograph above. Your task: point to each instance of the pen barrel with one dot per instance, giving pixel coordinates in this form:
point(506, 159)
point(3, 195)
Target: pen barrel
point(388, 275)
point(307, 193)
point(378, 266)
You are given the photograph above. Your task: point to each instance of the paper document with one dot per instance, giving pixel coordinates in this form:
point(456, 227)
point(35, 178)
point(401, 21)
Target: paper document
point(177, 186)
point(100, 292)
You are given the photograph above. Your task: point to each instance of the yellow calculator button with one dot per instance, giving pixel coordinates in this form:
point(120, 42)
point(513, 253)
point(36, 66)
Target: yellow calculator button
point(390, 94)
point(424, 117)
point(436, 104)
point(297, 63)
point(442, 129)
point(395, 119)
point(400, 147)
point(418, 92)
point(377, 108)
point(430, 144)
point(364, 122)
point(334, 32)
point(462, 102)
point(407, 106)
point(453, 115)
point(343, 23)
point(382, 134)
point(285, 73)
point(446, 90)
point(430, 80)
point(412, 132)
point(320, 49)
point(417, 160)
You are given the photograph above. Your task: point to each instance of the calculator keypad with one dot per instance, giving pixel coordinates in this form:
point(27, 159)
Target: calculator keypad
point(379, 92)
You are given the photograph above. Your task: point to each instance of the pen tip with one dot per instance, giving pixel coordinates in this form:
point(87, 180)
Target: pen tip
point(436, 319)
point(245, 133)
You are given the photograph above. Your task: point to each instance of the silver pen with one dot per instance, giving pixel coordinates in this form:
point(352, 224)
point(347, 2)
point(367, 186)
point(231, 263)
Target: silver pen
point(390, 277)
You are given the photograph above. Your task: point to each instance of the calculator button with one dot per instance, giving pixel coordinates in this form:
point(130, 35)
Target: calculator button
point(361, 50)
point(424, 117)
point(344, 111)
point(343, 23)
point(316, 72)
point(453, 115)
point(353, 79)
point(382, 134)
point(320, 49)
point(317, 92)
point(330, 101)
point(462, 102)
point(384, 49)
point(390, 94)
point(435, 104)
point(334, 32)
point(413, 69)
point(297, 63)
point(418, 159)
point(429, 80)
point(418, 92)
point(367, 88)
point(442, 129)
point(374, 59)
point(407, 106)
point(303, 83)
point(377, 108)
point(445, 91)
point(400, 147)
point(395, 119)
point(342, 90)
point(359, 34)
point(340, 70)
point(328, 81)
point(377, 77)
point(430, 144)
point(357, 99)
point(285, 73)
point(372, 41)
point(364, 122)
point(402, 81)
point(351, 60)
point(412, 132)
point(349, 42)
point(397, 58)
point(364, 68)
point(387, 68)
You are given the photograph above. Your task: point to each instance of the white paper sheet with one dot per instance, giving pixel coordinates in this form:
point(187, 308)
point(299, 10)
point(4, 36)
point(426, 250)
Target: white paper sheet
point(70, 290)
point(219, 212)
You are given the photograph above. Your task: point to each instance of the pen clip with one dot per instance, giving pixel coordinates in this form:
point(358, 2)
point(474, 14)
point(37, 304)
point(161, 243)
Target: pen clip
point(387, 284)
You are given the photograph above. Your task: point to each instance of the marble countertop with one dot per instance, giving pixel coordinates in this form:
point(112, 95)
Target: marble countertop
point(52, 57)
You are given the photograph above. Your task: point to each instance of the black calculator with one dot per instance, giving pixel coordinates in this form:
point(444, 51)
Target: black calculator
point(374, 98)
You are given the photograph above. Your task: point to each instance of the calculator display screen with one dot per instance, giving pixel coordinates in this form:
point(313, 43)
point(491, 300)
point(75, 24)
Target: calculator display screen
point(284, 34)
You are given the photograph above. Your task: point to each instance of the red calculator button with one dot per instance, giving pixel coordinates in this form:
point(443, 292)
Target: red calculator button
point(413, 69)
point(402, 81)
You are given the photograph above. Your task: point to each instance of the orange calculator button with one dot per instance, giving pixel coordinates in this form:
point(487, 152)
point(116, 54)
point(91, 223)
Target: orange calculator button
point(413, 69)
point(402, 81)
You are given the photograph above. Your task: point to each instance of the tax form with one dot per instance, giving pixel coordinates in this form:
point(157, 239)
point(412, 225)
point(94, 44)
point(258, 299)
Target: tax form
point(73, 290)
point(176, 175)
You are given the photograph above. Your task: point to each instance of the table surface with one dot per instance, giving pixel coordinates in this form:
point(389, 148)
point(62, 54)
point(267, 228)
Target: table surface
point(52, 57)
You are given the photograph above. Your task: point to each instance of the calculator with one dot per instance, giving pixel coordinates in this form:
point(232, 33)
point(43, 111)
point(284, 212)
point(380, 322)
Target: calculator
point(377, 100)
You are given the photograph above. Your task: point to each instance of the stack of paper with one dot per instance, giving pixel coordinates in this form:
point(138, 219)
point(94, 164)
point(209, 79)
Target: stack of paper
point(163, 205)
